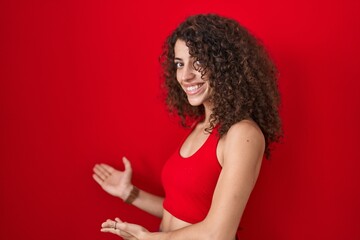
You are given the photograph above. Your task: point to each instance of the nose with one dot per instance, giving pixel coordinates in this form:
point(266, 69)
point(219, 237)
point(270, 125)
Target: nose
point(187, 73)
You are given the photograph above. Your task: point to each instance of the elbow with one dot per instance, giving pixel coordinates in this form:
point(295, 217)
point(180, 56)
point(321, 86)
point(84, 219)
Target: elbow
point(212, 232)
point(219, 236)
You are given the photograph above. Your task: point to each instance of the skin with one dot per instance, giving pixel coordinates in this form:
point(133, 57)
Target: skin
point(239, 151)
point(118, 183)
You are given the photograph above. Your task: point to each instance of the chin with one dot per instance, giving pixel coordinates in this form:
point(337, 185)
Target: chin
point(196, 102)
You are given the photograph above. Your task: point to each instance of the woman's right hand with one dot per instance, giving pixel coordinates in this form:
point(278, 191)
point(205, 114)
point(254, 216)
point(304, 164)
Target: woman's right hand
point(113, 181)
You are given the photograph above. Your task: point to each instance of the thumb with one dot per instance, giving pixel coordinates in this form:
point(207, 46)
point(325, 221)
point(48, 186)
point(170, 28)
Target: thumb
point(127, 164)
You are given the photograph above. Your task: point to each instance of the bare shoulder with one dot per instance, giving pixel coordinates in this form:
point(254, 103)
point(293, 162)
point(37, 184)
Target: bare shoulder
point(245, 130)
point(243, 140)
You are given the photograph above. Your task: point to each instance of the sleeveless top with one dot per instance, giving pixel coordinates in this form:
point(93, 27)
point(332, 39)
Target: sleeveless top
point(189, 183)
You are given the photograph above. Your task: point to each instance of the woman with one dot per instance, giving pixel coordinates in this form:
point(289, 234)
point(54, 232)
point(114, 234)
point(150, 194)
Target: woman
point(219, 78)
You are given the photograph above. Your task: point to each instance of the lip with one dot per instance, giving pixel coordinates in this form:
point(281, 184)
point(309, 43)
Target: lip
point(193, 89)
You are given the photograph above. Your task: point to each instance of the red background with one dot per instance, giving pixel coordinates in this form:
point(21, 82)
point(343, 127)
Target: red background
point(80, 85)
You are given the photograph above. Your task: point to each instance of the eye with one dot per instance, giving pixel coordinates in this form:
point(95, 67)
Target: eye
point(179, 64)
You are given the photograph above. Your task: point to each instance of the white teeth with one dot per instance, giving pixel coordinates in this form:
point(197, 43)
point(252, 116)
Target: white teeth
point(193, 88)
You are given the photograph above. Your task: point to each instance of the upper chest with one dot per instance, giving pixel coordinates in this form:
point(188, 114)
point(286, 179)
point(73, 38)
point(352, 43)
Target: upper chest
point(202, 142)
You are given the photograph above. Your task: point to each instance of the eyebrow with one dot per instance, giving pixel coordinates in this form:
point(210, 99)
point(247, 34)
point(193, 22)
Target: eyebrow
point(179, 59)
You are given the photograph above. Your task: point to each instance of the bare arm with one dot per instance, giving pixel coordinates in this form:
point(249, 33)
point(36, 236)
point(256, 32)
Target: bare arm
point(241, 154)
point(118, 183)
point(150, 203)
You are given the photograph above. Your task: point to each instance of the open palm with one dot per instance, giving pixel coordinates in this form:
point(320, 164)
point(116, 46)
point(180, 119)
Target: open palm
point(113, 181)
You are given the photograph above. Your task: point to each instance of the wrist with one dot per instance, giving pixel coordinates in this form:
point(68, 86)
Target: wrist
point(153, 235)
point(132, 195)
point(126, 192)
point(144, 235)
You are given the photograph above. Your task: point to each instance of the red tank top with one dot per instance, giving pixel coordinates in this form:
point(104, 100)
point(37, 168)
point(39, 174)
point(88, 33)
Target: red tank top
point(190, 182)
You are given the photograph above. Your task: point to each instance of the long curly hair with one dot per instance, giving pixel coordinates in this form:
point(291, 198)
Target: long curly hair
point(241, 73)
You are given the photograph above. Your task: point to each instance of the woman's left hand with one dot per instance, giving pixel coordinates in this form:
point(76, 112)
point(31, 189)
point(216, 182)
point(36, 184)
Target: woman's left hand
point(127, 231)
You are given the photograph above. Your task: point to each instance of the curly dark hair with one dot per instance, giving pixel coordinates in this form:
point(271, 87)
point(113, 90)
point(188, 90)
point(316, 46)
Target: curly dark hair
point(242, 75)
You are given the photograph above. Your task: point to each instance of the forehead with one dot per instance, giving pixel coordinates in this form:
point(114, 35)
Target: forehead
point(181, 50)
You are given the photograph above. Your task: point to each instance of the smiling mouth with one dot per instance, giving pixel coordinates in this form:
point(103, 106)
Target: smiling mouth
point(193, 89)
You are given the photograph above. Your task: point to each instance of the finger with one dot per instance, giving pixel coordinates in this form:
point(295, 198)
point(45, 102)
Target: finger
point(127, 164)
point(108, 224)
point(107, 168)
point(112, 230)
point(130, 228)
point(118, 232)
point(100, 172)
point(118, 220)
point(111, 227)
point(97, 179)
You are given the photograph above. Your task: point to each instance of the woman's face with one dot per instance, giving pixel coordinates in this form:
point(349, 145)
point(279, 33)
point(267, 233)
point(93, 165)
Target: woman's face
point(197, 89)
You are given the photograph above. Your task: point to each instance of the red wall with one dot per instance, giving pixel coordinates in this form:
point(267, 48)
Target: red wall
point(80, 85)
